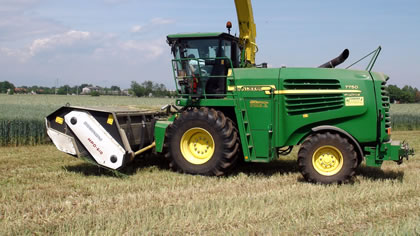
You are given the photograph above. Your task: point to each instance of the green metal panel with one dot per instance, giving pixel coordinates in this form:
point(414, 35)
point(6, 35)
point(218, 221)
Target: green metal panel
point(253, 88)
point(383, 105)
point(260, 114)
point(225, 102)
point(354, 112)
point(387, 151)
point(160, 130)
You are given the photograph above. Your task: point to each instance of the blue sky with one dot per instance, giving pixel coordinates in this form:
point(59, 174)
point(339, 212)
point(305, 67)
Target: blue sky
point(113, 42)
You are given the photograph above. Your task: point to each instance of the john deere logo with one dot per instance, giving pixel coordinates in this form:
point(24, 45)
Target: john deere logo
point(260, 104)
point(355, 101)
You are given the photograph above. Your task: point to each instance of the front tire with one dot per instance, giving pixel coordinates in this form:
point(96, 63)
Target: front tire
point(202, 141)
point(327, 158)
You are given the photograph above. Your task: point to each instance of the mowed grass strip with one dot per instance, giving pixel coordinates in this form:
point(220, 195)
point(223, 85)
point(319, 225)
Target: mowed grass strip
point(43, 191)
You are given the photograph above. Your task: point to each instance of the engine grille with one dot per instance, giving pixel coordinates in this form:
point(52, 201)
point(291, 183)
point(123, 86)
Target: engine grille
point(385, 105)
point(312, 84)
point(303, 104)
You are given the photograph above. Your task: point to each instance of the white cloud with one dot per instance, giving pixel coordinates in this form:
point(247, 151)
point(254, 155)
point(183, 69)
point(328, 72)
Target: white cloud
point(161, 21)
point(73, 44)
point(52, 43)
point(66, 39)
point(151, 25)
point(136, 28)
point(35, 49)
point(151, 49)
point(12, 53)
point(16, 5)
point(18, 23)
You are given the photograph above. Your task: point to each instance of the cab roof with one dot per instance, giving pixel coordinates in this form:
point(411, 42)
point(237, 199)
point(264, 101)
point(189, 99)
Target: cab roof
point(199, 35)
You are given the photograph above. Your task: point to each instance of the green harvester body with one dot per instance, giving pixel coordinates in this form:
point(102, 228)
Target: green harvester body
point(279, 107)
point(227, 107)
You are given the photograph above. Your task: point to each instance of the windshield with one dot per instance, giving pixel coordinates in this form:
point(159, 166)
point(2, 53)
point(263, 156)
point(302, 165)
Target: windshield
point(204, 59)
point(202, 48)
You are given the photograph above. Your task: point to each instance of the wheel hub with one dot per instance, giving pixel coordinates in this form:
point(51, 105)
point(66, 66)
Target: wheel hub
point(197, 146)
point(327, 160)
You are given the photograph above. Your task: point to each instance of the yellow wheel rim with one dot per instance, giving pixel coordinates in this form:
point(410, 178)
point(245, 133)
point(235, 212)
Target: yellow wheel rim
point(327, 160)
point(197, 146)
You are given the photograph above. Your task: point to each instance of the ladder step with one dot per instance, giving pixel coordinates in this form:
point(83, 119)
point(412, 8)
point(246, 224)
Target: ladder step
point(246, 127)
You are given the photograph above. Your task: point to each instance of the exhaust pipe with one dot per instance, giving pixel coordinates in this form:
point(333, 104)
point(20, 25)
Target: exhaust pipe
point(336, 61)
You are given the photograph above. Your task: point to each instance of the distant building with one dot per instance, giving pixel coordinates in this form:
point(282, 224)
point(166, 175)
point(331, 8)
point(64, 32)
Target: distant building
point(125, 92)
point(88, 90)
point(20, 90)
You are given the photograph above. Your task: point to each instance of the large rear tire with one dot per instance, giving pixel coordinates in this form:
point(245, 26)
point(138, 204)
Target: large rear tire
point(327, 158)
point(202, 141)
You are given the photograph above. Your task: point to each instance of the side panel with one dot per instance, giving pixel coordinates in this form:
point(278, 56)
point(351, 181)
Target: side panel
point(260, 113)
point(100, 144)
point(311, 97)
point(256, 111)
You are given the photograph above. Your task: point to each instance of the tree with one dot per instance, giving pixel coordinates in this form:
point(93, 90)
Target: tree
point(394, 93)
point(4, 86)
point(409, 94)
point(148, 87)
point(63, 90)
point(417, 96)
point(115, 88)
point(137, 89)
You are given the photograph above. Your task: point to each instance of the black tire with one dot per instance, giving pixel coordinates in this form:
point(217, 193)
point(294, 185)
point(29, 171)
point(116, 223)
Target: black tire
point(224, 136)
point(340, 159)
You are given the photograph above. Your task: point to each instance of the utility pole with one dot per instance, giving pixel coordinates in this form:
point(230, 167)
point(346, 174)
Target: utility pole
point(56, 85)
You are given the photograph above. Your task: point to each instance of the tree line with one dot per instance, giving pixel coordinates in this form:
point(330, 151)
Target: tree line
point(407, 94)
point(147, 88)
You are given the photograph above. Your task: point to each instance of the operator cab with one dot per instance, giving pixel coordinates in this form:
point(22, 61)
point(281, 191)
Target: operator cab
point(201, 62)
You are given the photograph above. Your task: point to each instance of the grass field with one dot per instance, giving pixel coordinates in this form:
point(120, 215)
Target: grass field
point(43, 191)
point(39, 106)
point(405, 116)
point(22, 116)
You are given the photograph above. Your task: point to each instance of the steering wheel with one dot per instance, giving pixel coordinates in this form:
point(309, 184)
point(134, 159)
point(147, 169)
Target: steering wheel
point(203, 72)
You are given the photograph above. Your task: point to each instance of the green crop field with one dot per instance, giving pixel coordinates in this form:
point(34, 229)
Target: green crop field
point(405, 116)
point(38, 106)
point(22, 116)
point(43, 191)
